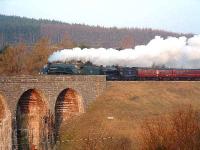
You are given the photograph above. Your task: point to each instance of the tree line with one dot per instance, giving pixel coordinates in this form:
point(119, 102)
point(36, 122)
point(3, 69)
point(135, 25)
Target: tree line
point(25, 59)
point(15, 29)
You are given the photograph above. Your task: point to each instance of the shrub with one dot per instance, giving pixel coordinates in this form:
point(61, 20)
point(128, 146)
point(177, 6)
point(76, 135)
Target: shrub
point(178, 130)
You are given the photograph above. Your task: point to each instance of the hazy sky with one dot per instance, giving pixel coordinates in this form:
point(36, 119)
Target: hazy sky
point(172, 15)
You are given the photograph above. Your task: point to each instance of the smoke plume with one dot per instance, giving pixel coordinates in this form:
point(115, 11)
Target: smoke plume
point(172, 52)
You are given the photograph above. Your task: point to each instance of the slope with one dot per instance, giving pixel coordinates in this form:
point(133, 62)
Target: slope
point(118, 112)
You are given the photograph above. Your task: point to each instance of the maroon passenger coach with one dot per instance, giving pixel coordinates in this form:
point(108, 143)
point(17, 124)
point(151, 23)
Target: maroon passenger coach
point(168, 74)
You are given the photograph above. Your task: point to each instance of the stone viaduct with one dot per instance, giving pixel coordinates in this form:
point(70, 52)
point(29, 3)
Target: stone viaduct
point(32, 108)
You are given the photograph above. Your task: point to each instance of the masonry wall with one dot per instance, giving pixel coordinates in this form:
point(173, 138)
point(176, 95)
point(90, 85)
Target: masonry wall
point(5, 126)
point(5, 133)
point(50, 86)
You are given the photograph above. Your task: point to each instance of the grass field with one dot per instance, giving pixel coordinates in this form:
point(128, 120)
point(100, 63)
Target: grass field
point(120, 110)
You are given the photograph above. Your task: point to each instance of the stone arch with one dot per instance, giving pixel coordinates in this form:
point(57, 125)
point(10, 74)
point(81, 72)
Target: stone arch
point(5, 124)
point(69, 103)
point(34, 120)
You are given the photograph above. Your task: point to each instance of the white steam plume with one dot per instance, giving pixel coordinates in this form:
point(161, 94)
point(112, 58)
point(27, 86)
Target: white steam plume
point(172, 52)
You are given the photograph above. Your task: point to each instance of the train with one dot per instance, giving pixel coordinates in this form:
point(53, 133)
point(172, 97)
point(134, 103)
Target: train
point(119, 73)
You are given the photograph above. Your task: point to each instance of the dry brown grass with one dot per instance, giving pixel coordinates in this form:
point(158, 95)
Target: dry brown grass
point(129, 103)
point(178, 130)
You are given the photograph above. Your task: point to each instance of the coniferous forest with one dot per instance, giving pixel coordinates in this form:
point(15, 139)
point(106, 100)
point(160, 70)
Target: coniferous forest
point(15, 29)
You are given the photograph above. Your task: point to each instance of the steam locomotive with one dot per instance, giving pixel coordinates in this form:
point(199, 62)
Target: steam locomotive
point(122, 73)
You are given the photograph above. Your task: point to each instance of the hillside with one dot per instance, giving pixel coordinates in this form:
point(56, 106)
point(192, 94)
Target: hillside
point(129, 103)
point(15, 29)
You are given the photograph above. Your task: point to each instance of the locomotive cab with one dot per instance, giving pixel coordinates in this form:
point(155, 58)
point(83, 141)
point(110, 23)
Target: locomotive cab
point(90, 70)
point(111, 72)
point(128, 73)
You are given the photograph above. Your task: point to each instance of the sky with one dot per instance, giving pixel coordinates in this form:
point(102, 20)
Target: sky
point(172, 15)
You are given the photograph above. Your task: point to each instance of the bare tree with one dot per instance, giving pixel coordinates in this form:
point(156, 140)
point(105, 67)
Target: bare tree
point(127, 42)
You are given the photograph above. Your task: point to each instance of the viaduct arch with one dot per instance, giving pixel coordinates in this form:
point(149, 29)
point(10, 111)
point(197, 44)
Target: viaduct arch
point(39, 104)
point(32, 120)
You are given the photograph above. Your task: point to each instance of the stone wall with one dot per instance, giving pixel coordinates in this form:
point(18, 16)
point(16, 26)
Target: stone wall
point(50, 86)
point(5, 133)
point(5, 126)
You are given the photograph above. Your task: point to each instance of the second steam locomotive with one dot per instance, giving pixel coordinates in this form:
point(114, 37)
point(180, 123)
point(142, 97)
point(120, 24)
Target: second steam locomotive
point(123, 73)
